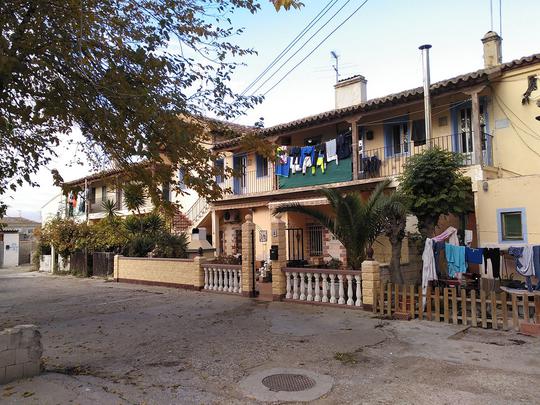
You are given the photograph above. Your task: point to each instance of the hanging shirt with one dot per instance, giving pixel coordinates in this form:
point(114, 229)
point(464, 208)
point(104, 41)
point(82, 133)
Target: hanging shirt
point(331, 151)
point(450, 233)
point(344, 146)
point(455, 257)
point(524, 259)
point(475, 256)
point(282, 169)
point(428, 267)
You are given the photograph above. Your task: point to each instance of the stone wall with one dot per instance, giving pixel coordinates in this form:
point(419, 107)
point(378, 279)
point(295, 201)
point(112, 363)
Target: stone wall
point(20, 353)
point(180, 273)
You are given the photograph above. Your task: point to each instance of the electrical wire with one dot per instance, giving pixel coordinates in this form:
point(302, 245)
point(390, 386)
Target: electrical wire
point(306, 42)
point(532, 133)
point(291, 44)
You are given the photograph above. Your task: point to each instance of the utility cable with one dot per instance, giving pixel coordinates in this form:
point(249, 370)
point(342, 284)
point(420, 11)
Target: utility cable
point(307, 28)
point(306, 42)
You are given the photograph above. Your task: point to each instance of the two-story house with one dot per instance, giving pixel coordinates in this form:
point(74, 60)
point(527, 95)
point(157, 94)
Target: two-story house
point(489, 116)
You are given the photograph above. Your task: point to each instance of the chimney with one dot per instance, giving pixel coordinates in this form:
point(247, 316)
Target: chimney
point(350, 91)
point(492, 49)
point(198, 234)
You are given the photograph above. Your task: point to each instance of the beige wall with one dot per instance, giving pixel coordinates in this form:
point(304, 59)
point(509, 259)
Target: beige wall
point(504, 193)
point(185, 273)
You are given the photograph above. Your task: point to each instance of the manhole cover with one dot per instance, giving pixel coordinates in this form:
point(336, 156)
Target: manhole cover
point(288, 382)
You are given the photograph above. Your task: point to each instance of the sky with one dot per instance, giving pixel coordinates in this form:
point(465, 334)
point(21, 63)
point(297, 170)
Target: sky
point(379, 42)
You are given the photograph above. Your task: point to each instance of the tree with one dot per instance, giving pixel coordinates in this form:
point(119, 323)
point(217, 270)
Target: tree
point(354, 221)
point(433, 182)
point(393, 209)
point(134, 196)
point(134, 77)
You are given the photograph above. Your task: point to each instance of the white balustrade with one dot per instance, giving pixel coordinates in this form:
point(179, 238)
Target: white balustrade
point(222, 279)
point(349, 290)
point(358, 302)
point(295, 286)
point(341, 290)
point(302, 287)
point(310, 286)
point(317, 289)
point(288, 294)
point(325, 288)
point(332, 289)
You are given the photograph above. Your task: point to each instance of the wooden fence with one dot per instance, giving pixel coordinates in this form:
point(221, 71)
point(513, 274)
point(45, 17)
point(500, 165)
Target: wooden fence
point(102, 264)
point(450, 305)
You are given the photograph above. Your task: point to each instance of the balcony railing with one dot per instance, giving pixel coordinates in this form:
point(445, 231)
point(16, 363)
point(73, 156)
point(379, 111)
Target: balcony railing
point(390, 160)
point(373, 163)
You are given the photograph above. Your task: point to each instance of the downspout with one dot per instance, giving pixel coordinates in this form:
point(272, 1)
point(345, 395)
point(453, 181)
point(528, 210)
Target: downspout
point(427, 83)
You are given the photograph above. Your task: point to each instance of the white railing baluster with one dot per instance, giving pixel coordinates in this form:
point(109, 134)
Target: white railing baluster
point(341, 291)
point(317, 289)
point(309, 287)
point(332, 289)
point(350, 300)
point(226, 280)
point(235, 281)
point(324, 288)
point(302, 287)
point(288, 294)
point(215, 271)
point(205, 278)
point(220, 279)
point(210, 279)
point(239, 281)
point(358, 302)
point(295, 286)
point(229, 274)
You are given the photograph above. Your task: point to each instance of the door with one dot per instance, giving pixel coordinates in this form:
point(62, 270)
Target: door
point(465, 133)
point(295, 247)
point(239, 167)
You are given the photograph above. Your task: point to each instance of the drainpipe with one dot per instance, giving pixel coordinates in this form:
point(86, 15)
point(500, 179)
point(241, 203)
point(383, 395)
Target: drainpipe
point(427, 83)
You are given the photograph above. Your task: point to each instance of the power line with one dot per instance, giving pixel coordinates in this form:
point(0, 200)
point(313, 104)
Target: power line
point(310, 25)
point(317, 47)
point(303, 45)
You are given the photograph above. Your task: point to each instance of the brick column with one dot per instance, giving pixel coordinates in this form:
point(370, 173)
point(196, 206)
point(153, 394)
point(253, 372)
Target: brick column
point(198, 273)
point(247, 257)
point(371, 281)
point(278, 238)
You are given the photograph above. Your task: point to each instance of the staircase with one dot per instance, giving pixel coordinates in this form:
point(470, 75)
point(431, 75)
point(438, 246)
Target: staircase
point(198, 212)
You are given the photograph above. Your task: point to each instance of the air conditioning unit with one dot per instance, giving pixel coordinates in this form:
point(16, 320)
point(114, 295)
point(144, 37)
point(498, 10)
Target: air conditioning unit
point(231, 216)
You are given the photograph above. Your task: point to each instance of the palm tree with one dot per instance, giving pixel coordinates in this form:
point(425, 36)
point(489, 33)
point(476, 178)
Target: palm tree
point(354, 221)
point(393, 209)
point(109, 206)
point(134, 196)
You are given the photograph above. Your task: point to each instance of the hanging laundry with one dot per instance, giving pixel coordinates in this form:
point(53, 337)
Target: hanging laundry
point(331, 151)
point(306, 163)
point(455, 257)
point(524, 259)
point(450, 233)
point(82, 204)
point(429, 272)
point(475, 256)
point(536, 263)
point(295, 159)
point(494, 257)
point(283, 162)
point(344, 146)
point(437, 248)
point(468, 237)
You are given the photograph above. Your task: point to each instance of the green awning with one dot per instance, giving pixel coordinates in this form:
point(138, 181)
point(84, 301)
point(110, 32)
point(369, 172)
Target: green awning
point(334, 173)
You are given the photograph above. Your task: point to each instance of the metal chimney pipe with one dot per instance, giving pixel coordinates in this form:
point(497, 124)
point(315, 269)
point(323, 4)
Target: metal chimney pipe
point(427, 83)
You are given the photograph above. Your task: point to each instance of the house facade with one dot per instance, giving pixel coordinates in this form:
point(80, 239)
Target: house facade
point(488, 116)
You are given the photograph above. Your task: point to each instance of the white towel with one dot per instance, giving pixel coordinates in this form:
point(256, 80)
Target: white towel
point(428, 268)
point(526, 260)
point(331, 151)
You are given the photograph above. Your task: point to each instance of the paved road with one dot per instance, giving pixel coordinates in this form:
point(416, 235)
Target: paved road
point(110, 343)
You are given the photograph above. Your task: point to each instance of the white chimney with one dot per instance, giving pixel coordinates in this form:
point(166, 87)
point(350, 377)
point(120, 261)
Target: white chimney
point(350, 91)
point(492, 49)
point(200, 235)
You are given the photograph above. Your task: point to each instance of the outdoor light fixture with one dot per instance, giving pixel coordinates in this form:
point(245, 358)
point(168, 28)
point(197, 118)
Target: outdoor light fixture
point(485, 186)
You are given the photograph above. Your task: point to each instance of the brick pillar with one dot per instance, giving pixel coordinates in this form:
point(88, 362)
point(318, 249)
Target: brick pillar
point(371, 281)
point(116, 273)
point(278, 238)
point(198, 276)
point(247, 257)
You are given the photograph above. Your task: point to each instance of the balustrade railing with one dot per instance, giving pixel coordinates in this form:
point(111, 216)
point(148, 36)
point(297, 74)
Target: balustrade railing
point(248, 183)
point(325, 286)
point(225, 278)
point(197, 210)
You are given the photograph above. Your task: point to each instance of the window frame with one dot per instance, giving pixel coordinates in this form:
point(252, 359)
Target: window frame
point(261, 166)
point(501, 226)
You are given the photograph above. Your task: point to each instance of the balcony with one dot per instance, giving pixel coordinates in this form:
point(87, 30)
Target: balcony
point(374, 164)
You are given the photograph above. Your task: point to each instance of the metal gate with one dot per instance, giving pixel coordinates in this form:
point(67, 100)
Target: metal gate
point(295, 247)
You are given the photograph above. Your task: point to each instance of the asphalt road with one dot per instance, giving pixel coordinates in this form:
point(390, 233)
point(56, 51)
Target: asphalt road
point(110, 343)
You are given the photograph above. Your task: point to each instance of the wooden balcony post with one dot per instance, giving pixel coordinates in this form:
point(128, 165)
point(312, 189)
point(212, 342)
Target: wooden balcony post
point(477, 133)
point(354, 127)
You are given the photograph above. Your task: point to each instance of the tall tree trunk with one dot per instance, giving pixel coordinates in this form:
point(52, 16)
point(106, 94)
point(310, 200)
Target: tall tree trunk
point(396, 275)
point(427, 226)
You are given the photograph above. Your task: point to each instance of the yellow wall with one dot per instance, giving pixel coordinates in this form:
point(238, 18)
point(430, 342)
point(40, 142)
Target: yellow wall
point(515, 192)
point(178, 272)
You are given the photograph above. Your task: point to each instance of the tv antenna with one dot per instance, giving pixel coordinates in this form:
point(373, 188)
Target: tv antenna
point(336, 65)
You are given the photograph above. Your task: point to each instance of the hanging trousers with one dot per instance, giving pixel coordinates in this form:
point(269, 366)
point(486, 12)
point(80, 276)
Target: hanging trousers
point(494, 255)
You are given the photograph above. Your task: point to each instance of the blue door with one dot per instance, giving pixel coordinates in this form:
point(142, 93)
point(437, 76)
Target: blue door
point(239, 167)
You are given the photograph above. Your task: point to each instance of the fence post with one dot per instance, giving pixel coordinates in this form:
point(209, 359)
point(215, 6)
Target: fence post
point(248, 252)
point(371, 282)
point(277, 238)
point(198, 272)
point(116, 272)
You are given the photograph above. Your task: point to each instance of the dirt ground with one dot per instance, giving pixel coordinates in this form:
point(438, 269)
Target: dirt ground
point(110, 343)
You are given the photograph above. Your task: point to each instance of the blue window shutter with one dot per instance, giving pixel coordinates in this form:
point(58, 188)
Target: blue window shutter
point(220, 164)
point(181, 183)
point(388, 144)
point(262, 166)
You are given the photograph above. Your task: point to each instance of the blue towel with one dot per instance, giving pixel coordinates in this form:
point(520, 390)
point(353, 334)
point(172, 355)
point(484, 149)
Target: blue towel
point(455, 256)
point(474, 255)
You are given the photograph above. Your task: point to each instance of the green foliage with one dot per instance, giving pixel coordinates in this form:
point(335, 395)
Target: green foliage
point(334, 263)
point(110, 208)
point(134, 196)
point(433, 182)
point(107, 235)
point(227, 259)
point(355, 222)
point(139, 245)
point(109, 68)
point(169, 245)
point(65, 235)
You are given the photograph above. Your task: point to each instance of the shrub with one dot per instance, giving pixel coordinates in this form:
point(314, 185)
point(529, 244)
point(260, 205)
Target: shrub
point(224, 259)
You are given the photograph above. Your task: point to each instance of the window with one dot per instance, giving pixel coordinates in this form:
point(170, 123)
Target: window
point(419, 132)
point(262, 166)
point(104, 193)
point(181, 175)
point(512, 228)
point(220, 166)
point(166, 192)
point(315, 238)
point(396, 136)
point(92, 195)
point(238, 241)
